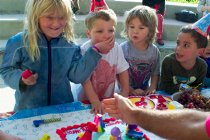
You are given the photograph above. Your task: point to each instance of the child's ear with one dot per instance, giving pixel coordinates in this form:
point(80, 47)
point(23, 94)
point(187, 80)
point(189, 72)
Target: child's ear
point(88, 33)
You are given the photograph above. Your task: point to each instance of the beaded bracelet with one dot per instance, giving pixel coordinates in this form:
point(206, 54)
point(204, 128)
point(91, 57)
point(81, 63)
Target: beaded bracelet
point(96, 49)
point(207, 123)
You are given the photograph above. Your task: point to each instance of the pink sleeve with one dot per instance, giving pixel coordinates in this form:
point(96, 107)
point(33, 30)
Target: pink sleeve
point(207, 123)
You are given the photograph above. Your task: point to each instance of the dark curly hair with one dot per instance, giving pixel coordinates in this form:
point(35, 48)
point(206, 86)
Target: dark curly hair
point(199, 39)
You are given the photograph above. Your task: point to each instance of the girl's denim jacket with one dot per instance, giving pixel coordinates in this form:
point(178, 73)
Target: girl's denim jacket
point(60, 62)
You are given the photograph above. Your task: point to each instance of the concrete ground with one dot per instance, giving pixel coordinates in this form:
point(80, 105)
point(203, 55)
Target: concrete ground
point(7, 100)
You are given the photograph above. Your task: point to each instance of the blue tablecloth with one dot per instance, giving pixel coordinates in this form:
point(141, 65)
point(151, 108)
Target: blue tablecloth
point(63, 108)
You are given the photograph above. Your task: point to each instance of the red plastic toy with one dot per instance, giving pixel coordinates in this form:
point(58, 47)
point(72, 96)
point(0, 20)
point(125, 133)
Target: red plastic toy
point(27, 73)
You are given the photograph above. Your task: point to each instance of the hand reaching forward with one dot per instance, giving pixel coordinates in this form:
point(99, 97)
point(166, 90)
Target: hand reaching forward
point(121, 108)
point(97, 107)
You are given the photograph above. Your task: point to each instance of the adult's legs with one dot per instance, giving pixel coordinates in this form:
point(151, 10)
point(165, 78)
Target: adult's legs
point(160, 29)
point(75, 5)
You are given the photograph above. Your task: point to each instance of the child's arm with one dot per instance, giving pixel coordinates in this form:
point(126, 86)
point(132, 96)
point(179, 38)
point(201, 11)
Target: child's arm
point(124, 83)
point(82, 67)
point(93, 97)
point(153, 85)
point(201, 75)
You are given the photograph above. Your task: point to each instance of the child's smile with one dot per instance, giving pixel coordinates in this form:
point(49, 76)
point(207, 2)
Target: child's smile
point(52, 25)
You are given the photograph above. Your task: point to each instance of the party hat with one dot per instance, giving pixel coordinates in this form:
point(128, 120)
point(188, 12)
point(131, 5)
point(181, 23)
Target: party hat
point(203, 25)
point(97, 5)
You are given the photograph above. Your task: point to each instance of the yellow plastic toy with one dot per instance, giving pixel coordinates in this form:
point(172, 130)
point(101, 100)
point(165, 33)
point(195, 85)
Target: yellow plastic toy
point(45, 137)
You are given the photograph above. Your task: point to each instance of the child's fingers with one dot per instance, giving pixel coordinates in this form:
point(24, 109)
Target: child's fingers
point(31, 80)
point(111, 42)
point(99, 111)
point(92, 111)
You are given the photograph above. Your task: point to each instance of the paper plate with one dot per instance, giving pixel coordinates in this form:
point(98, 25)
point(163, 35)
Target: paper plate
point(143, 102)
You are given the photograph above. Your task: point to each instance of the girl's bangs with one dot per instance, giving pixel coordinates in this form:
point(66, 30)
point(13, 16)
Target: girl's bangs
point(59, 10)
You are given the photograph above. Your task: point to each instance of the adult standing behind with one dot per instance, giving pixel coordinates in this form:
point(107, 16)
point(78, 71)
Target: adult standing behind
point(203, 6)
point(46, 49)
point(177, 124)
point(159, 6)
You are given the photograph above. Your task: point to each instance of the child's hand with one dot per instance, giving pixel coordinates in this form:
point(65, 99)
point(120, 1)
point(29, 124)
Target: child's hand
point(150, 91)
point(97, 107)
point(137, 92)
point(105, 46)
point(31, 80)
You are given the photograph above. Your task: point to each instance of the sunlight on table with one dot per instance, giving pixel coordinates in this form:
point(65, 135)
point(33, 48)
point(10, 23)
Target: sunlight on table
point(7, 99)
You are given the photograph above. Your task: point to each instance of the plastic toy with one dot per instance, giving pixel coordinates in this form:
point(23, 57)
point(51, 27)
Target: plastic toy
point(134, 133)
point(27, 73)
point(39, 122)
point(116, 134)
point(184, 87)
point(99, 123)
point(45, 137)
point(91, 127)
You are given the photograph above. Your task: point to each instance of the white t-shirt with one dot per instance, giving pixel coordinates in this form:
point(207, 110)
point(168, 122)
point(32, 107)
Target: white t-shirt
point(104, 76)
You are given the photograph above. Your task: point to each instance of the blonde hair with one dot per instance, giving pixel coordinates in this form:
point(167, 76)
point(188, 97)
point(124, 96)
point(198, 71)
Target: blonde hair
point(38, 8)
point(102, 14)
point(148, 18)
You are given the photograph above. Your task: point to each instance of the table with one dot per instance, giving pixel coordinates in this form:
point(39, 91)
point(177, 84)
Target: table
point(20, 124)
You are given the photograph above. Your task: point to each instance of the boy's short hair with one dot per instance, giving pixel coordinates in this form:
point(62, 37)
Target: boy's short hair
point(148, 18)
point(199, 39)
point(106, 15)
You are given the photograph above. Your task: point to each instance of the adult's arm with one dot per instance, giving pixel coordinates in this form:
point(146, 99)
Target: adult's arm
point(177, 124)
point(180, 125)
